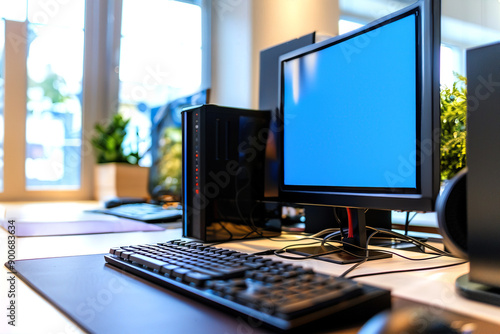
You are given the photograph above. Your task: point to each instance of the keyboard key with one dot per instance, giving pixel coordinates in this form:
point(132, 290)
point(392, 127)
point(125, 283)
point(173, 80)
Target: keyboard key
point(207, 271)
point(230, 272)
point(126, 255)
point(118, 252)
point(168, 269)
point(179, 273)
point(253, 265)
point(196, 278)
point(147, 261)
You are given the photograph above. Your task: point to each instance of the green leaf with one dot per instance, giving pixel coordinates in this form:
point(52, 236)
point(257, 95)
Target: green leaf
point(108, 141)
point(453, 127)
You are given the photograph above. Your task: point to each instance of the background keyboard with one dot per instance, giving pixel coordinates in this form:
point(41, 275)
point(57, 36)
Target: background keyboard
point(143, 211)
point(279, 294)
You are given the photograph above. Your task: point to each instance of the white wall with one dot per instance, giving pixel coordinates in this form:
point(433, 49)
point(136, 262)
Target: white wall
point(485, 13)
point(231, 52)
point(241, 28)
point(465, 23)
point(470, 23)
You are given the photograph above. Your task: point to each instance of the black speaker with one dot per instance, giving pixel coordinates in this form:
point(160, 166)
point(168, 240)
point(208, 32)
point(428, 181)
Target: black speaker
point(451, 207)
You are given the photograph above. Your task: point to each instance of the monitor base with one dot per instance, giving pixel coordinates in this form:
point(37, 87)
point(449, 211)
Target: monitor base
point(477, 291)
point(338, 255)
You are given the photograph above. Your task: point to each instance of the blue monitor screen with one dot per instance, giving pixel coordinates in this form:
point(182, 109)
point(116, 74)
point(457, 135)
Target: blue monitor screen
point(350, 111)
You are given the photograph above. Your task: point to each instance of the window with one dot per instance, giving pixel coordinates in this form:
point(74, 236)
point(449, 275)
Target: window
point(68, 62)
point(13, 11)
point(160, 60)
point(54, 91)
point(2, 80)
point(452, 61)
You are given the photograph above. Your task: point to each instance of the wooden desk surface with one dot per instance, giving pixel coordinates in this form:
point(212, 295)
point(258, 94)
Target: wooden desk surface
point(434, 289)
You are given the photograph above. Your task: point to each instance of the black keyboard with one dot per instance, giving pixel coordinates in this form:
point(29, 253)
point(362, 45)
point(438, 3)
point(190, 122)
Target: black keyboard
point(279, 294)
point(143, 211)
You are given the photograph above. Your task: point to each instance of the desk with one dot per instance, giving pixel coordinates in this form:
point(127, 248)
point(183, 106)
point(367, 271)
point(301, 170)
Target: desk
point(433, 288)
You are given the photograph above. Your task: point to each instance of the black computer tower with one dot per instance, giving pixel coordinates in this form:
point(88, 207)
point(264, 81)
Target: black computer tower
point(483, 161)
point(483, 180)
point(223, 174)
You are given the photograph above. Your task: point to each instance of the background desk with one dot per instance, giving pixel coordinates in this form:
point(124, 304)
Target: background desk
point(433, 288)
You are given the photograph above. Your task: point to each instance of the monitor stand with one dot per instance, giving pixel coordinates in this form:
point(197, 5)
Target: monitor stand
point(477, 291)
point(341, 254)
point(319, 218)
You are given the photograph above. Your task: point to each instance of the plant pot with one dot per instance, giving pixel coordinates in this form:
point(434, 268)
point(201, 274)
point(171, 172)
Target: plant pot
point(120, 180)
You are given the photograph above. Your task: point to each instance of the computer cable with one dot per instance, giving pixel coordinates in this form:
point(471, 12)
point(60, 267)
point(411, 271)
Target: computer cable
point(254, 227)
point(435, 255)
point(316, 235)
point(238, 191)
point(240, 214)
point(344, 274)
point(242, 217)
point(271, 251)
point(339, 222)
point(325, 231)
point(362, 261)
point(331, 235)
point(407, 270)
point(327, 240)
point(408, 221)
point(410, 239)
point(228, 240)
point(394, 235)
point(311, 237)
point(225, 229)
point(438, 253)
point(364, 258)
point(315, 240)
point(334, 233)
point(279, 253)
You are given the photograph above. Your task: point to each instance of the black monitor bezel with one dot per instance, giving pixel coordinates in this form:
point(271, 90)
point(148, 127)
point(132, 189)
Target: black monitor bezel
point(423, 197)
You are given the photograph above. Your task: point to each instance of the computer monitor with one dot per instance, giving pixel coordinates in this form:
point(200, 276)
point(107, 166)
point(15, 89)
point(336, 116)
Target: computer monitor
point(360, 117)
point(165, 177)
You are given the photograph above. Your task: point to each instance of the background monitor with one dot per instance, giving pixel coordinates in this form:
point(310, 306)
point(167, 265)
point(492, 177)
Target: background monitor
point(269, 100)
point(165, 180)
point(360, 115)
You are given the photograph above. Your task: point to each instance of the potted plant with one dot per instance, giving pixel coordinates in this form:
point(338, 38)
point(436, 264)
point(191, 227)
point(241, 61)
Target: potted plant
point(117, 173)
point(453, 128)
